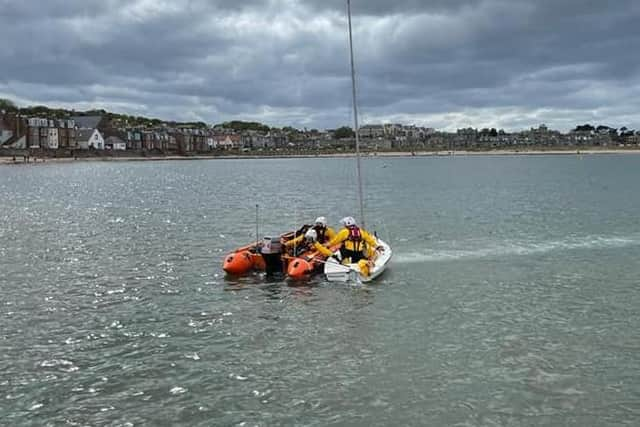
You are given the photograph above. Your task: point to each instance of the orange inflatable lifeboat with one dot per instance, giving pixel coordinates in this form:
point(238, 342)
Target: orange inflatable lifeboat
point(271, 256)
point(259, 256)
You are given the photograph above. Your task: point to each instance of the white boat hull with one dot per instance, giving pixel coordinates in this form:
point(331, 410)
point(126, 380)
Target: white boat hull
point(336, 272)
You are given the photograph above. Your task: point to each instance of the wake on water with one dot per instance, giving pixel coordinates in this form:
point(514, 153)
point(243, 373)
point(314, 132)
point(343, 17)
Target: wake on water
point(515, 248)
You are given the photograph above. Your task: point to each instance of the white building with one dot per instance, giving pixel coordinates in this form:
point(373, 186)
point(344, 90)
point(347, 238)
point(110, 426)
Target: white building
point(90, 138)
point(114, 143)
point(372, 131)
point(52, 138)
point(228, 141)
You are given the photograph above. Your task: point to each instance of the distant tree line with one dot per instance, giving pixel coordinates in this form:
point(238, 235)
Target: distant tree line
point(344, 132)
point(489, 132)
point(7, 105)
point(623, 131)
point(238, 125)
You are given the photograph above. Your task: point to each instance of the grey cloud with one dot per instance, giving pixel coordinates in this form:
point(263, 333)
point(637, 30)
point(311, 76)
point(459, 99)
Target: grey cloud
point(285, 61)
point(385, 7)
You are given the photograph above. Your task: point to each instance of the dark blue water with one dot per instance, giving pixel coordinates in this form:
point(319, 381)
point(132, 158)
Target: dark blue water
point(512, 298)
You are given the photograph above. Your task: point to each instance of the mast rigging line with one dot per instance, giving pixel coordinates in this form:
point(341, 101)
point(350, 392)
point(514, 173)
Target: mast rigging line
point(355, 119)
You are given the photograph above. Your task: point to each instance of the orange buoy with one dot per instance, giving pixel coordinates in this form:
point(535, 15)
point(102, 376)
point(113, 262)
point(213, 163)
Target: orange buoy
point(239, 262)
point(299, 268)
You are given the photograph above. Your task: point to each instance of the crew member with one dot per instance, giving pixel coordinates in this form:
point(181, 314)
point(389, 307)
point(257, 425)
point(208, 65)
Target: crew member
point(323, 232)
point(311, 238)
point(357, 243)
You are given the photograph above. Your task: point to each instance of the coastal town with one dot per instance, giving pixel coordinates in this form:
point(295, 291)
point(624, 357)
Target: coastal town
point(42, 132)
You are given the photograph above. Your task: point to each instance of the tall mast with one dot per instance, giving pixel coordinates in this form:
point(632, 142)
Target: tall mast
point(355, 118)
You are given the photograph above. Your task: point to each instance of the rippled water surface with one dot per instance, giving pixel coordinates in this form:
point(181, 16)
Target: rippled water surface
point(512, 298)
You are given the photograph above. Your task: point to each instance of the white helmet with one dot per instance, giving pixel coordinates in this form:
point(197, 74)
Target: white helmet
point(322, 221)
point(348, 221)
point(311, 235)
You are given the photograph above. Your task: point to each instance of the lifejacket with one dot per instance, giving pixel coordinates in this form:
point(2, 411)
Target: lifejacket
point(301, 231)
point(322, 238)
point(355, 236)
point(301, 247)
point(306, 245)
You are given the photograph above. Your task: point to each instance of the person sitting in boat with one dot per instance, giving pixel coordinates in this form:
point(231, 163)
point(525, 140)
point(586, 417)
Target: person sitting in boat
point(324, 234)
point(357, 243)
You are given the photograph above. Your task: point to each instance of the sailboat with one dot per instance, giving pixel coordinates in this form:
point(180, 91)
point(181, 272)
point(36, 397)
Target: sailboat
point(269, 255)
point(334, 270)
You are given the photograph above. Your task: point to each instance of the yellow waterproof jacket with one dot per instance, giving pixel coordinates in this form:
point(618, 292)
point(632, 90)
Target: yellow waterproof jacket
point(324, 251)
point(343, 237)
point(328, 233)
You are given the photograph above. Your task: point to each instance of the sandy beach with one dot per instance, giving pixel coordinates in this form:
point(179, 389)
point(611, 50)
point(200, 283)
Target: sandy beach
point(9, 160)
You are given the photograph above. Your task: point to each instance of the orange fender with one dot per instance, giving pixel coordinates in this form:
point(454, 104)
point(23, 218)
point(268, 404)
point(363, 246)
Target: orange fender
point(239, 262)
point(299, 268)
point(305, 265)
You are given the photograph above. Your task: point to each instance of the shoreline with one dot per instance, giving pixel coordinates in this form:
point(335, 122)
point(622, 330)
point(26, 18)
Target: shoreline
point(8, 160)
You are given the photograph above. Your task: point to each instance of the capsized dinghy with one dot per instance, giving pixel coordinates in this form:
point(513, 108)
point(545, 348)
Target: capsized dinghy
point(337, 272)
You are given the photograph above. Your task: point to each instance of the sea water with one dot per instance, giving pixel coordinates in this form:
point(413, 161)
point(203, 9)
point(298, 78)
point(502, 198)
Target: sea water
point(512, 298)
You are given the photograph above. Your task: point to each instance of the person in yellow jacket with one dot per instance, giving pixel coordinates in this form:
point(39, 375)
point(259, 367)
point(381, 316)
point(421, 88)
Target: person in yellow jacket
point(324, 234)
point(357, 244)
point(311, 239)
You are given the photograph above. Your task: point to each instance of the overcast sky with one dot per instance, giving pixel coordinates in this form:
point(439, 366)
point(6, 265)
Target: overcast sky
point(446, 64)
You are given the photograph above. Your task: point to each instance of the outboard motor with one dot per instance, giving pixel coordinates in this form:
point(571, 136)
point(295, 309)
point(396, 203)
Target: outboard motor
point(271, 252)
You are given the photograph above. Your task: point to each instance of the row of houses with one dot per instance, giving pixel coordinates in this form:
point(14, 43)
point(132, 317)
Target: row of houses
point(395, 131)
point(470, 138)
point(543, 136)
point(98, 133)
point(36, 132)
point(95, 132)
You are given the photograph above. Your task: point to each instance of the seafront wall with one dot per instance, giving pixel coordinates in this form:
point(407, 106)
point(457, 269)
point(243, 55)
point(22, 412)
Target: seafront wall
point(40, 159)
